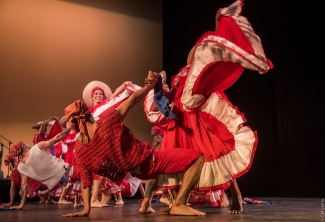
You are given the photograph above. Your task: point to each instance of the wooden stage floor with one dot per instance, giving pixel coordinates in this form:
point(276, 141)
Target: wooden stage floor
point(286, 209)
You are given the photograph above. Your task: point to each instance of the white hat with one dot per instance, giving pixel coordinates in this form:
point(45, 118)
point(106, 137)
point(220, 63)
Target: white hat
point(86, 94)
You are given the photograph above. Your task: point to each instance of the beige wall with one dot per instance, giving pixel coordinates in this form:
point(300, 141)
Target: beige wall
point(50, 50)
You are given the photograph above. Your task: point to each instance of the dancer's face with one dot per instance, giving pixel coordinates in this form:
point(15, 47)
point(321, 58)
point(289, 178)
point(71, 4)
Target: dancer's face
point(24, 153)
point(98, 97)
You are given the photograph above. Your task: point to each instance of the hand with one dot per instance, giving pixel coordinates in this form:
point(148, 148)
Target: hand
point(218, 15)
point(70, 125)
point(165, 87)
point(55, 118)
point(78, 214)
point(17, 207)
point(151, 79)
point(128, 83)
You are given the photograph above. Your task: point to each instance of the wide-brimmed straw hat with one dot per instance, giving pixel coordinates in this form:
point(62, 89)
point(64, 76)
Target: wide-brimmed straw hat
point(38, 124)
point(63, 122)
point(86, 94)
point(190, 55)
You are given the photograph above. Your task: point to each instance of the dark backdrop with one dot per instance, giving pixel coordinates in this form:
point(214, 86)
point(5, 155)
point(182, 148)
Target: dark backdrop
point(283, 105)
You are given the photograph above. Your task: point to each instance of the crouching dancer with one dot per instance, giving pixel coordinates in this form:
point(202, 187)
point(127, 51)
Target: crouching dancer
point(37, 163)
point(108, 148)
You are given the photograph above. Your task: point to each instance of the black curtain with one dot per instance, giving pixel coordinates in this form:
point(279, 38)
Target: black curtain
point(283, 105)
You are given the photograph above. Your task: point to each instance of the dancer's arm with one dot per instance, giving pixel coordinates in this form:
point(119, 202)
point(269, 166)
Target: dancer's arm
point(120, 89)
point(23, 192)
point(125, 106)
point(46, 145)
point(42, 129)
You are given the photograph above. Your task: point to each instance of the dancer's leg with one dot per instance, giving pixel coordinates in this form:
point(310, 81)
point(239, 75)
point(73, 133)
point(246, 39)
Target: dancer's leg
point(65, 190)
point(236, 203)
point(190, 179)
point(150, 192)
point(95, 193)
point(119, 199)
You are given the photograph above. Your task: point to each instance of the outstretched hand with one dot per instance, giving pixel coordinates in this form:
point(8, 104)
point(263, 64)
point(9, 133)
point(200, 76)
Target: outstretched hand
point(218, 15)
point(151, 79)
point(16, 207)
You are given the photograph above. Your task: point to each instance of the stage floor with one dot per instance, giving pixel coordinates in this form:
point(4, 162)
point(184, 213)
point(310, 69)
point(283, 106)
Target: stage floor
point(286, 209)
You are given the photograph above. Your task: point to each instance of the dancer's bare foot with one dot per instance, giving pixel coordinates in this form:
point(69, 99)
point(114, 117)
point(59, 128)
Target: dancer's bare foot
point(64, 202)
point(146, 208)
point(164, 199)
point(236, 205)
point(165, 212)
point(98, 204)
point(185, 210)
point(224, 201)
point(120, 202)
point(78, 204)
point(42, 199)
point(51, 201)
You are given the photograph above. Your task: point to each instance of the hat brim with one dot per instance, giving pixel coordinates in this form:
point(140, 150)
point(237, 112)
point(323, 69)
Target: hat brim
point(190, 55)
point(37, 126)
point(86, 94)
point(63, 121)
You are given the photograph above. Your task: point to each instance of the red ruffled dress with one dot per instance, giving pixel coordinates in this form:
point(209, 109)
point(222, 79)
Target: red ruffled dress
point(207, 121)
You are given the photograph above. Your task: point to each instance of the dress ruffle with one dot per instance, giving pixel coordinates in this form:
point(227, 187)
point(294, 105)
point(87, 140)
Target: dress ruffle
point(207, 120)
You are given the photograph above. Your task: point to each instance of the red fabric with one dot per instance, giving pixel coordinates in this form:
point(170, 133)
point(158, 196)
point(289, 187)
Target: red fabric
point(126, 192)
point(55, 129)
point(217, 76)
point(15, 178)
point(167, 161)
point(212, 136)
point(112, 152)
point(69, 140)
point(33, 185)
point(228, 29)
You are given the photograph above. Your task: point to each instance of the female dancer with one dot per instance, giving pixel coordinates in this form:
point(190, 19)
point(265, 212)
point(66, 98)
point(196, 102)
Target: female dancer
point(99, 97)
point(72, 191)
point(206, 120)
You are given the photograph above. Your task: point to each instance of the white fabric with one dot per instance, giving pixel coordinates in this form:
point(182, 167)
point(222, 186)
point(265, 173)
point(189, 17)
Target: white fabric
point(134, 183)
point(43, 167)
point(119, 98)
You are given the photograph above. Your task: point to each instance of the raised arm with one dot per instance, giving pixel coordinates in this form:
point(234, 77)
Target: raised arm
point(46, 145)
point(120, 89)
point(125, 106)
point(42, 129)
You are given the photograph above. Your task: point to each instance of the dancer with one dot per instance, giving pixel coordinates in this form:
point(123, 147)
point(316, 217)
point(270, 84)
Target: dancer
point(99, 97)
point(108, 148)
point(42, 134)
point(207, 121)
point(41, 165)
point(72, 191)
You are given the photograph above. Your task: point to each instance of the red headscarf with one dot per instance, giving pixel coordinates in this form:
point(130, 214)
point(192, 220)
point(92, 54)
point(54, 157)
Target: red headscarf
point(77, 112)
point(97, 88)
